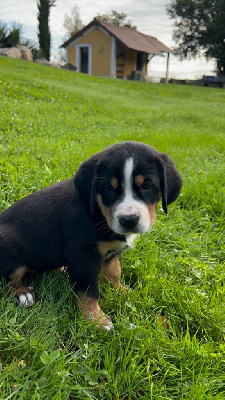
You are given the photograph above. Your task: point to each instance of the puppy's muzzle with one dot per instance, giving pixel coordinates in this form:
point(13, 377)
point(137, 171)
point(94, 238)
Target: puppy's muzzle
point(129, 221)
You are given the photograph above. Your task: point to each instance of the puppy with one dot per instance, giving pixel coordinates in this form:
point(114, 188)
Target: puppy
point(85, 222)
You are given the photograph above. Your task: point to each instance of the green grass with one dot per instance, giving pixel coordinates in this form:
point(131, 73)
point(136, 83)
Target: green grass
point(169, 336)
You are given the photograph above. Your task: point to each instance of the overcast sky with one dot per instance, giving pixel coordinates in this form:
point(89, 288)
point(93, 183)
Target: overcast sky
point(149, 16)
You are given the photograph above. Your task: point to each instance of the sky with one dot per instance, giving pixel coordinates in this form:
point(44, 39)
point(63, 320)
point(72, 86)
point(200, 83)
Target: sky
point(149, 16)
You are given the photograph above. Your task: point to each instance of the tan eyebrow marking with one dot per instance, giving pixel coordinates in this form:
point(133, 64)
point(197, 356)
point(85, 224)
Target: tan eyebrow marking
point(114, 183)
point(139, 179)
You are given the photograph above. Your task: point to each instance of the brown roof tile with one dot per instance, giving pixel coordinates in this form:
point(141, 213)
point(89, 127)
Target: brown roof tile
point(130, 38)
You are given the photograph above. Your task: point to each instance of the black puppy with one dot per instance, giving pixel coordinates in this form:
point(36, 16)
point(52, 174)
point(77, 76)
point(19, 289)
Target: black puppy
point(85, 222)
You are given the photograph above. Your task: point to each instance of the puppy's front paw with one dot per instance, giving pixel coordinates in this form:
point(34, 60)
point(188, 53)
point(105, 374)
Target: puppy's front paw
point(91, 311)
point(25, 296)
point(124, 289)
point(105, 322)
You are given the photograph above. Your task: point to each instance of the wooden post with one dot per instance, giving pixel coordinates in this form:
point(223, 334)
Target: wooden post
point(167, 67)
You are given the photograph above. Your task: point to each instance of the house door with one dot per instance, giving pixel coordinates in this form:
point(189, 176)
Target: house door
point(139, 62)
point(84, 53)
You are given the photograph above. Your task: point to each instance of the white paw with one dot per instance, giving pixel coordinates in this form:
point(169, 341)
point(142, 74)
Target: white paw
point(105, 323)
point(108, 327)
point(26, 298)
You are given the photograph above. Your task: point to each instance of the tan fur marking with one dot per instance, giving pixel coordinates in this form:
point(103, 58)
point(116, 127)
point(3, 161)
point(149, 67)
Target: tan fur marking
point(139, 179)
point(91, 311)
point(105, 247)
point(114, 183)
point(17, 276)
point(152, 212)
point(112, 272)
point(107, 212)
point(88, 306)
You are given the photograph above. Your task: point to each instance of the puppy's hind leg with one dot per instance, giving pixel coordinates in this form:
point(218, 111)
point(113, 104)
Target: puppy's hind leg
point(24, 294)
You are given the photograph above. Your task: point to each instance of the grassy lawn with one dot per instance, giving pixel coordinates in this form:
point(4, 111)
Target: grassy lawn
point(169, 336)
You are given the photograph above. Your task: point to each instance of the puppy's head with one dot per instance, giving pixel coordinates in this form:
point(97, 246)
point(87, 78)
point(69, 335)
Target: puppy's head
point(126, 181)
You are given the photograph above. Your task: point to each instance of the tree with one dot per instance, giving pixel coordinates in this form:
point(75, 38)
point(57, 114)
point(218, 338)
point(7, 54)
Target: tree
point(73, 23)
point(199, 27)
point(10, 36)
point(116, 18)
point(43, 27)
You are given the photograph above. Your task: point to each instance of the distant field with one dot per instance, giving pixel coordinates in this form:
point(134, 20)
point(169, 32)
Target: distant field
point(169, 337)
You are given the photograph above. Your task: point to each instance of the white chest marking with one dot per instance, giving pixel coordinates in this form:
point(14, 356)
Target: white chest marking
point(130, 239)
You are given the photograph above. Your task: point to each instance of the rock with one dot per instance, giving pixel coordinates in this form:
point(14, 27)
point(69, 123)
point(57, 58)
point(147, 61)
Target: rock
point(55, 64)
point(42, 61)
point(17, 52)
point(25, 52)
point(69, 66)
point(13, 52)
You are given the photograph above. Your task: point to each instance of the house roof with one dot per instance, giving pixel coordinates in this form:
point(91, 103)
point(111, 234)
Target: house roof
point(128, 37)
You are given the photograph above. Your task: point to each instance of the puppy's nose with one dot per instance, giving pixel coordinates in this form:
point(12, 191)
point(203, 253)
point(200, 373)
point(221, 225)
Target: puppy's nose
point(129, 221)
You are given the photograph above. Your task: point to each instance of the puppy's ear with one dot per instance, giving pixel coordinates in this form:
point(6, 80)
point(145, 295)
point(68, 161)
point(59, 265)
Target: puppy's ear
point(85, 180)
point(171, 181)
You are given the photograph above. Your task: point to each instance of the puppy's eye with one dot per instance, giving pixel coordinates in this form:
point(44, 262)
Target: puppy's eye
point(108, 187)
point(146, 185)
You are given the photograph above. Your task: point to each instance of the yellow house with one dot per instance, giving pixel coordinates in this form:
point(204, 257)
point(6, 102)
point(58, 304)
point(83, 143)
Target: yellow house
point(114, 51)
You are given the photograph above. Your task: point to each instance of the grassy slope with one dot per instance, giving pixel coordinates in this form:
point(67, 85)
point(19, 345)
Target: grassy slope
point(51, 120)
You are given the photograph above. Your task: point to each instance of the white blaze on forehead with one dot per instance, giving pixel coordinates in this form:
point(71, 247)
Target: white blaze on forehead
point(129, 204)
point(128, 169)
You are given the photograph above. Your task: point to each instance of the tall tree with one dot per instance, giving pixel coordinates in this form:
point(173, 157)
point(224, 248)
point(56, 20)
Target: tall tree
point(73, 22)
point(116, 18)
point(200, 27)
point(43, 26)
